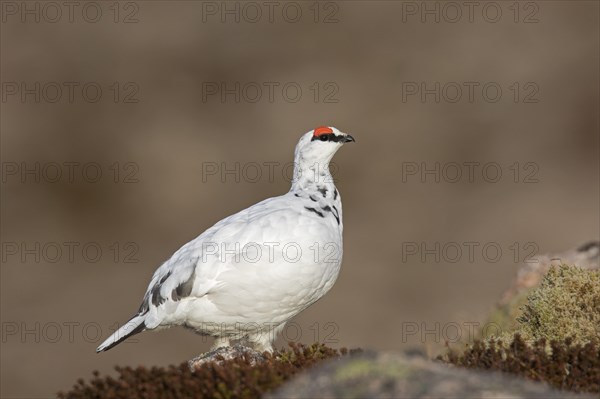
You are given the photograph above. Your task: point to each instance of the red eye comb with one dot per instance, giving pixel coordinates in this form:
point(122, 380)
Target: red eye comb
point(322, 130)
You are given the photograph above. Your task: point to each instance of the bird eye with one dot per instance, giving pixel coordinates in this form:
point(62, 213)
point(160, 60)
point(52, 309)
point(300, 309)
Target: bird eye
point(323, 137)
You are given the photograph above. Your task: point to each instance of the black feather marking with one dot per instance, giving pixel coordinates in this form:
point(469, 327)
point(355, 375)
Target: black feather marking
point(330, 137)
point(297, 195)
point(335, 194)
point(157, 300)
point(313, 198)
point(315, 211)
point(164, 278)
point(184, 289)
point(153, 296)
point(145, 306)
point(323, 191)
point(335, 214)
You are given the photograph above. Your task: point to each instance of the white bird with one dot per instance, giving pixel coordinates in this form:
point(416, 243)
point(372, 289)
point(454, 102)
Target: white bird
point(246, 276)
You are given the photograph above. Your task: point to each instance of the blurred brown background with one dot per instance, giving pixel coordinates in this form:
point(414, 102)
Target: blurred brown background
point(158, 129)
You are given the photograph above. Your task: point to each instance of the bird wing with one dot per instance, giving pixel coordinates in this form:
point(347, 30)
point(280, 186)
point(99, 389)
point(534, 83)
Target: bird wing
point(188, 273)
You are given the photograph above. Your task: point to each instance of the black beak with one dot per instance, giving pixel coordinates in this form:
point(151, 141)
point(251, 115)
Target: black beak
point(349, 139)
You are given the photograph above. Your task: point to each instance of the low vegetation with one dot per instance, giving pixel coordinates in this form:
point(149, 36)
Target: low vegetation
point(234, 378)
point(555, 338)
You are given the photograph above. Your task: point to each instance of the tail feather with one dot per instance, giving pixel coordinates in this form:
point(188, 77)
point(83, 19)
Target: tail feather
point(132, 327)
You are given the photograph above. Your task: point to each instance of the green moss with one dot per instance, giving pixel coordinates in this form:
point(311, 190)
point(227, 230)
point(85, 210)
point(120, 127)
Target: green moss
point(363, 368)
point(550, 333)
point(565, 305)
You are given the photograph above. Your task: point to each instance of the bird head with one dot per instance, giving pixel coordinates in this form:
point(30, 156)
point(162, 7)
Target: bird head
point(320, 144)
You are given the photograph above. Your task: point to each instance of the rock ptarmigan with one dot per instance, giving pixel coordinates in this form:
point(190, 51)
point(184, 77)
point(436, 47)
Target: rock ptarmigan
point(246, 276)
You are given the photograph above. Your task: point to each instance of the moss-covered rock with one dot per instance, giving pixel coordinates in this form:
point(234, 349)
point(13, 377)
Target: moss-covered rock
point(565, 305)
point(550, 330)
point(529, 277)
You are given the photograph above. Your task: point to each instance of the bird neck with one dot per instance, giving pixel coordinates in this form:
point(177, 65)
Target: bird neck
point(313, 177)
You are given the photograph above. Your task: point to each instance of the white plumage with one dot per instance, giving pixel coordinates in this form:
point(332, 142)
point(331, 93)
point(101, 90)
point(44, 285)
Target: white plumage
point(246, 276)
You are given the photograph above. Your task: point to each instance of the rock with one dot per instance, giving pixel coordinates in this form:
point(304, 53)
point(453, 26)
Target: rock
point(393, 375)
point(530, 273)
